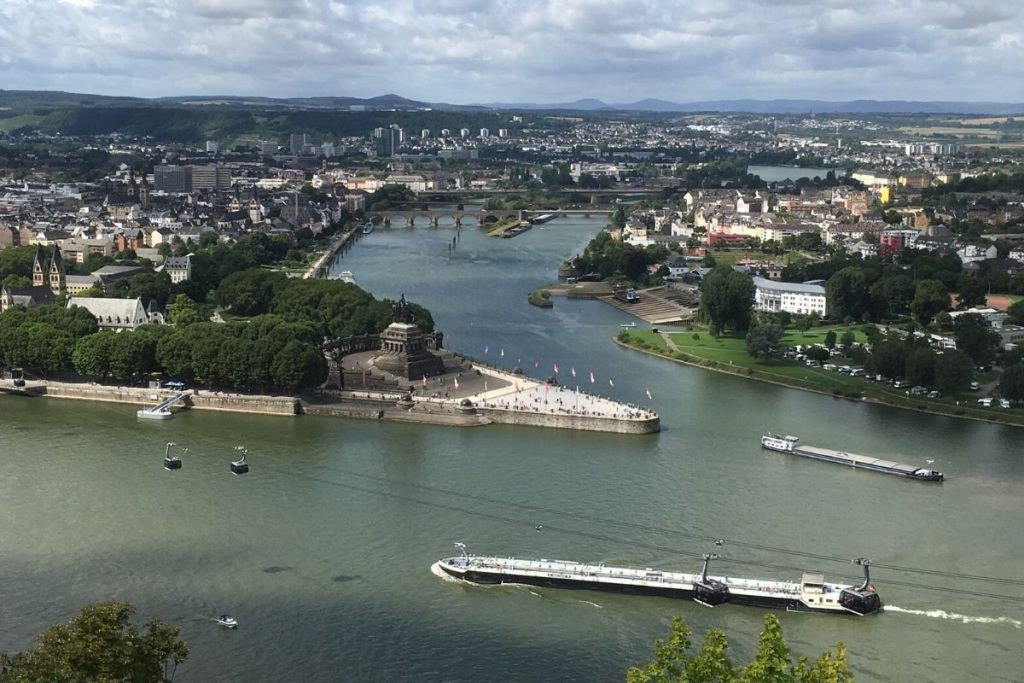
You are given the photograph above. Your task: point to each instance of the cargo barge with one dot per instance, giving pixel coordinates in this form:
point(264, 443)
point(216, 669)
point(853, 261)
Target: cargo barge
point(791, 444)
point(811, 594)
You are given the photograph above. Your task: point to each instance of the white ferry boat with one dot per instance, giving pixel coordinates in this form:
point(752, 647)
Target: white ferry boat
point(791, 444)
point(811, 594)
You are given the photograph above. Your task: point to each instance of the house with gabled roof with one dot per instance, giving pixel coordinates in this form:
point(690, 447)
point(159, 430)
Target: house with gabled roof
point(179, 268)
point(113, 314)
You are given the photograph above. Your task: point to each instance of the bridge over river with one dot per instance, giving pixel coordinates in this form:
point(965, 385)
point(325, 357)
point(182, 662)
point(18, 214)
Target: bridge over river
point(457, 217)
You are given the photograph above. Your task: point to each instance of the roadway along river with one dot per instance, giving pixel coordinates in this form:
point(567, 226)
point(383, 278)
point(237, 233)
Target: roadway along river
point(323, 551)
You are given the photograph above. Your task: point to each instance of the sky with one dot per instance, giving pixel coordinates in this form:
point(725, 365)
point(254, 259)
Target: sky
point(545, 51)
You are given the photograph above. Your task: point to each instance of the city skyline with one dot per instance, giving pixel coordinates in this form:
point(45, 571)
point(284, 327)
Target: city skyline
point(473, 51)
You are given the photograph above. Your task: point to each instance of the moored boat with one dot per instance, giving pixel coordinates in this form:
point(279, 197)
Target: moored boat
point(791, 444)
point(367, 228)
point(811, 594)
point(147, 414)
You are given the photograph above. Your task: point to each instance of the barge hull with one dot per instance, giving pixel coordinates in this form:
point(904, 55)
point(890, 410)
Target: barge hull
point(830, 598)
point(487, 578)
point(861, 462)
point(790, 444)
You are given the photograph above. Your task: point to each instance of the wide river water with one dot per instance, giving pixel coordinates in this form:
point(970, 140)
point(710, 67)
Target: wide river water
point(323, 550)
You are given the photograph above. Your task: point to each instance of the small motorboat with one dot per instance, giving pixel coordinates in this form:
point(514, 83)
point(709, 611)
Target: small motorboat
point(227, 621)
point(171, 462)
point(627, 325)
point(240, 466)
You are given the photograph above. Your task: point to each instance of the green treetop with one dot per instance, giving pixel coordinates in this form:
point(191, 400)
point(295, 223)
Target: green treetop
point(674, 662)
point(99, 644)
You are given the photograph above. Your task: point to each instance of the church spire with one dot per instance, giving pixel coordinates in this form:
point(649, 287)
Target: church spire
point(38, 268)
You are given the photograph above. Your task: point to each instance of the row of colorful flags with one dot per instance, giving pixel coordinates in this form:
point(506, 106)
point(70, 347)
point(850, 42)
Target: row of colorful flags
point(536, 364)
point(547, 387)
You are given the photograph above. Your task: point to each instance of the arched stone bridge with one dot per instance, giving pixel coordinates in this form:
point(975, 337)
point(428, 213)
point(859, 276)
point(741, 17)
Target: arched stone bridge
point(433, 217)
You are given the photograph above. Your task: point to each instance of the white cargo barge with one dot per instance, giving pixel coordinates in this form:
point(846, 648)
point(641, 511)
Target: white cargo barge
point(791, 444)
point(811, 594)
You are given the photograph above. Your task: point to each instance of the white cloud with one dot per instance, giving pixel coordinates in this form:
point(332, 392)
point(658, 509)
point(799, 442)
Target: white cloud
point(518, 50)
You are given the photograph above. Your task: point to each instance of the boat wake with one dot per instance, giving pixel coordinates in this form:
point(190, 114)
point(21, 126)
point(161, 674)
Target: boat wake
point(436, 570)
point(592, 604)
point(962, 618)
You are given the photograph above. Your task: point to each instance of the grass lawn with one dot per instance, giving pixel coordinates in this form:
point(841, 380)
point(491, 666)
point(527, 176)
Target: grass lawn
point(730, 354)
point(14, 122)
point(816, 335)
point(732, 351)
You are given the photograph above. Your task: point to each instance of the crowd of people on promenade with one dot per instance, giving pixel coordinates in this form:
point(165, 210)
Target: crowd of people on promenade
point(568, 403)
point(518, 393)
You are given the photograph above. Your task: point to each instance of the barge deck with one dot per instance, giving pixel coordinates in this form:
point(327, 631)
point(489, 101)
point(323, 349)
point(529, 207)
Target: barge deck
point(791, 444)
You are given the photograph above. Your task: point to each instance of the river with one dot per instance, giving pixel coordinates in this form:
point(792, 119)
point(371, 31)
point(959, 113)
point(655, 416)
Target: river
point(778, 174)
point(322, 552)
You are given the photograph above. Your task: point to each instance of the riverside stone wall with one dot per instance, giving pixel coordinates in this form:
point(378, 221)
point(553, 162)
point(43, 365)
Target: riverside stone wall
point(237, 403)
point(352, 408)
point(578, 422)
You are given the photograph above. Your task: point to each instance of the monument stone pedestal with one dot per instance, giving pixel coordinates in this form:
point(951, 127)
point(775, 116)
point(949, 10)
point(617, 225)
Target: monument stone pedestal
point(403, 352)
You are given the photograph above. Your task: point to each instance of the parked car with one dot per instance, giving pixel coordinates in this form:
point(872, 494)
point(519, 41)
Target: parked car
point(986, 402)
point(1004, 403)
point(918, 391)
point(828, 366)
point(900, 384)
point(856, 372)
point(934, 394)
point(974, 386)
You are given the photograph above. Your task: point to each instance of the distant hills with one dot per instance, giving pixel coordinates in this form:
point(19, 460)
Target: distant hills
point(777, 106)
point(25, 100)
point(30, 99)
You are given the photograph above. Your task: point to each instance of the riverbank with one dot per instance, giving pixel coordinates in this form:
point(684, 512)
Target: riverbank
point(846, 388)
point(323, 263)
point(199, 399)
point(519, 400)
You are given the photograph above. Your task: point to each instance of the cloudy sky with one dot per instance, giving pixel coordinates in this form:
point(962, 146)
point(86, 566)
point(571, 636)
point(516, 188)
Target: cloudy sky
point(466, 51)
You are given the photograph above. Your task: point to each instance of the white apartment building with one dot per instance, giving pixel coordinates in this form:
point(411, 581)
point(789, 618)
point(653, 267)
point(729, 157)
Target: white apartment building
point(771, 297)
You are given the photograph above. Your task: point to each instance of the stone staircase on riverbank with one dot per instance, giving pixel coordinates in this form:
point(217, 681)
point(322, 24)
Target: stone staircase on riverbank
point(660, 305)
